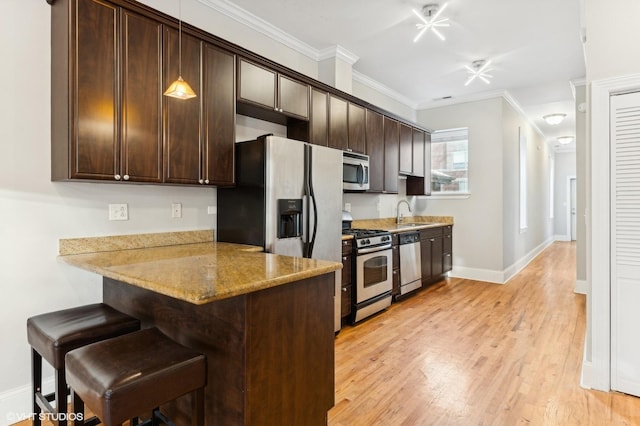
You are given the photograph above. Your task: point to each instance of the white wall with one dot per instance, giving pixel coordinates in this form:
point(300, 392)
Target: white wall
point(381, 100)
point(478, 218)
point(565, 166)
point(518, 247)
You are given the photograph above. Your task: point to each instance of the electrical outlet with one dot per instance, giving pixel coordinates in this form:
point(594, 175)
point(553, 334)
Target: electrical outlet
point(212, 209)
point(118, 212)
point(347, 207)
point(176, 210)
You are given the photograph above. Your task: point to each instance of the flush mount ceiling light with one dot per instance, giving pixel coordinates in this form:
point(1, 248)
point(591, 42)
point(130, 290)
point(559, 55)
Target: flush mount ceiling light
point(431, 20)
point(180, 89)
point(565, 139)
point(478, 69)
point(554, 119)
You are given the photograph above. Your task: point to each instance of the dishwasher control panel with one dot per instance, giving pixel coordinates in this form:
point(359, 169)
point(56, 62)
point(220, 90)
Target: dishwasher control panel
point(408, 238)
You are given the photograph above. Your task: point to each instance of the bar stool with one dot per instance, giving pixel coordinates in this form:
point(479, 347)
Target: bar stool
point(53, 334)
point(120, 378)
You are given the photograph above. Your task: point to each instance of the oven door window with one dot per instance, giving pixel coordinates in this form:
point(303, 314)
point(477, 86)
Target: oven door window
point(375, 271)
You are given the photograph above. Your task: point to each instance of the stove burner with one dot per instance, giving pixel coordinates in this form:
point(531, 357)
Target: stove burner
point(363, 233)
point(369, 238)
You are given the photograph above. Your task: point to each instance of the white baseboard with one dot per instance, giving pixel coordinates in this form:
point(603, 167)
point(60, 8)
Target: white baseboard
point(581, 287)
point(499, 277)
point(520, 264)
point(15, 404)
point(562, 237)
point(477, 274)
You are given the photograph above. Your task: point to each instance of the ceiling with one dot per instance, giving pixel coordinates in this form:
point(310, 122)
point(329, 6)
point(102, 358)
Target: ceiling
point(534, 47)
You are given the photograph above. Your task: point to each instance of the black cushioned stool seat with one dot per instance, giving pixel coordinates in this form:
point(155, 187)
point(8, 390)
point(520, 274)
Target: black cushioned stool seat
point(120, 378)
point(53, 334)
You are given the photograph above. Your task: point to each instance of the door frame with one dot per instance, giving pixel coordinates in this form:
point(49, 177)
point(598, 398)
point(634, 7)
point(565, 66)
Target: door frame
point(568, 212)
point(596, 371)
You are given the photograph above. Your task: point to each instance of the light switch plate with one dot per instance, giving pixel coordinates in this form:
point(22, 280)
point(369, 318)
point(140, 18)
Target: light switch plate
point(176, 210)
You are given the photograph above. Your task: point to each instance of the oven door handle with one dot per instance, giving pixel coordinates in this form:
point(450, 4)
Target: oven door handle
point(374, 249)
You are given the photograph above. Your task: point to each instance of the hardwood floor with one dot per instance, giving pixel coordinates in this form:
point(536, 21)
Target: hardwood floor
point(465, 352)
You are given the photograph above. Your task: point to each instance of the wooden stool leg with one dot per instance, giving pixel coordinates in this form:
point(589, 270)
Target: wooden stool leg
point(61, 397)
point(36, 381)
point(77, 408)
point(197, 409)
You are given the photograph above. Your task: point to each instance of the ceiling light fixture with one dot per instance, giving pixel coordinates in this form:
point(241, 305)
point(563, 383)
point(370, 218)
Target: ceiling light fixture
point(429, 17)
point(565, 139)
point(180, 89)
point(554, 119)
point(478, 69)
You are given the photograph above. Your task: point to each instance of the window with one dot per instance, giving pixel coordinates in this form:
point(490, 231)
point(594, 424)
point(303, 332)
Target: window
point(450, 161)
point(523, 182)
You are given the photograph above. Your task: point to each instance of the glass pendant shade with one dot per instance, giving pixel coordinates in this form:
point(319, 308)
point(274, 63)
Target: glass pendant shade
point(180, 89)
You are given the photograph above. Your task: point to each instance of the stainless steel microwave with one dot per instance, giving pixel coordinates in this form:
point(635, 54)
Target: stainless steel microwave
point(355, 171)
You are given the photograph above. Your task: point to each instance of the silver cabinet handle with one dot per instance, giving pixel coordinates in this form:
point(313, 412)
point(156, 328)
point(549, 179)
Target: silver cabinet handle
point(344, 289)
point(201, 181)
point(126, 177)
point(206, 181)
point(344, 258)
point(118, 177)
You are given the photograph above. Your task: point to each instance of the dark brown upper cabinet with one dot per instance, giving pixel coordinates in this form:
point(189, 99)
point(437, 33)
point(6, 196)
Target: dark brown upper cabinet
point(319, 118)
point(406, 150)
point(338, 123)
point(356, 141)
point(421, 185)
point(391, 154)
point(418, 153)
point(374, 134)
point(277, 95)
point(199, 132)
point(106, 98)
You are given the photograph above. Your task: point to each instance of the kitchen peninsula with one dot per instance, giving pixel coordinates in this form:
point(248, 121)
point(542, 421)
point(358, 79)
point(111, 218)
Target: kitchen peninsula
point(264, 321)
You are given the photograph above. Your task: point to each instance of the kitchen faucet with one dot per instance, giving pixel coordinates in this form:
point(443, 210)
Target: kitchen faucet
point(399, 217)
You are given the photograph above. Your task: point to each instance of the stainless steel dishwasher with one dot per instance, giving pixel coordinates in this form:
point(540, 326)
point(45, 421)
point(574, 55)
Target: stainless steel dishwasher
point(410, 266)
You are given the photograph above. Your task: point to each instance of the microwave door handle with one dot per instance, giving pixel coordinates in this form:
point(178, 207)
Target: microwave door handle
point(361, 175)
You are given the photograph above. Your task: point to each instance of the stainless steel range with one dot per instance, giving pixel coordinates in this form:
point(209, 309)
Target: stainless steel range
point(372, 271)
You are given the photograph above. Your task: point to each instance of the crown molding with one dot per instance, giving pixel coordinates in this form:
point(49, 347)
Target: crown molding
point(339, 52)
point(385, 90)
point(252, 21)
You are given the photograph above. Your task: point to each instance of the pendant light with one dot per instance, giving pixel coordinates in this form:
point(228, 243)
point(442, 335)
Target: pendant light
point(180, 89)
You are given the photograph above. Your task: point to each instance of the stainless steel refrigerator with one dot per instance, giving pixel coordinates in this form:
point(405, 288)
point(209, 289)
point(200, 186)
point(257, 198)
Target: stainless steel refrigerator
point(287, 199)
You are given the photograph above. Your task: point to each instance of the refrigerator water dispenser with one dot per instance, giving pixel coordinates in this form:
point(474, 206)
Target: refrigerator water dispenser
point(289, 218)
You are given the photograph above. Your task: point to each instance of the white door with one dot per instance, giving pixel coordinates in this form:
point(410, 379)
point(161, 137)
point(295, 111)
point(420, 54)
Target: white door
point(572, 200)
point(625, 242)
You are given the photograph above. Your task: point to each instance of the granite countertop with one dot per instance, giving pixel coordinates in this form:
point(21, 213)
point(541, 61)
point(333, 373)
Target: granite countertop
point(195, 272)
point(409, 223)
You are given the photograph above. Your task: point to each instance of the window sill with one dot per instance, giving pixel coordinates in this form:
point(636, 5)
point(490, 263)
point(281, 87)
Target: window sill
point(458, 196)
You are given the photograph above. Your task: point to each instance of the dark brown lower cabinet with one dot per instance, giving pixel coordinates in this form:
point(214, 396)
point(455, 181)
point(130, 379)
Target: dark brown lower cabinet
point(395, 255)
point(435, 253)
point(347, 280)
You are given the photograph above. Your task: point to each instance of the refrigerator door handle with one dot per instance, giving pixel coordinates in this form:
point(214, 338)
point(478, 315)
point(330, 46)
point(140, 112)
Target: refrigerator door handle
point(311, 203)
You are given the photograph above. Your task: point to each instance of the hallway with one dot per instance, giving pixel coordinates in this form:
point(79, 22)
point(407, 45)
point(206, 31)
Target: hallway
point(465, 352)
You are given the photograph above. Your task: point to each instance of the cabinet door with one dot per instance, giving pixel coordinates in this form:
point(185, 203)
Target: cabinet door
point(391, 142)
point(418, 153)
point(425, 258)
point(182, 152)
point(436, 257)
point(374, 137)
point(95, 149)
point(319, 119)
point(293, 97)
point(141, 148)
point(219, 112)
point(356, 128)
point(406, 150)
point(338, 131)
point(257, 85)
